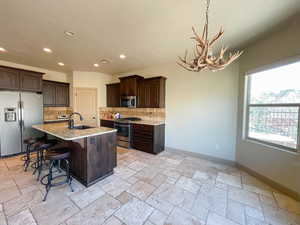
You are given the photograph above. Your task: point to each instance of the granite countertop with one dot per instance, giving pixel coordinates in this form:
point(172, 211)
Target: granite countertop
point(144, 122)
point(63, 132)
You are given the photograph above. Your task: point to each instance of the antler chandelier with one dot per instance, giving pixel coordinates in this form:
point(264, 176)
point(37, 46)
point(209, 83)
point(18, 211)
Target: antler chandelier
point(203, 54)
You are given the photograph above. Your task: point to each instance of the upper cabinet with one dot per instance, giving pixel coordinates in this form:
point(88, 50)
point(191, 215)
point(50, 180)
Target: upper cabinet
point(62, 94)
point(49, 93)
point(30, 81)
point(20, 80)
point(56, 94)
point(113, 95)
point(152, 92)
point(9, 79)
point(129, 85)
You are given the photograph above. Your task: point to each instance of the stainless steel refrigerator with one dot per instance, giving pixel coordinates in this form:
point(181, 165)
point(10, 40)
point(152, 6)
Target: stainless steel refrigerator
point(18, 112)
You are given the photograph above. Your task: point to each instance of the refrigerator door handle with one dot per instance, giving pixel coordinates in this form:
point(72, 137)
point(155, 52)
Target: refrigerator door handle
point(22, 115)
point(19, 114)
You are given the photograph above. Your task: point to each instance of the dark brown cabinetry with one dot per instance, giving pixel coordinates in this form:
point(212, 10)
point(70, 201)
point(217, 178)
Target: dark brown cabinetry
point(113, 95)
point(49, 93)
point(55, 94)
point(30, 81)
point(148, 138)
point(93, 158)
point(107, 123)
point(62, 94)
point(151, 93)
point(20, 80)
point(129, 85)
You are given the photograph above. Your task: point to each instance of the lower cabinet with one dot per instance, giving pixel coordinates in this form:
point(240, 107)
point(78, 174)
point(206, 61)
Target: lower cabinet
point(93, 158)
point(148, 138)
point(107, 123)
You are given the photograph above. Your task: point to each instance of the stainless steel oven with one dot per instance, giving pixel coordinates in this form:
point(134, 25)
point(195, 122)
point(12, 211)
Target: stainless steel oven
point(123, 134)
point(128, 101)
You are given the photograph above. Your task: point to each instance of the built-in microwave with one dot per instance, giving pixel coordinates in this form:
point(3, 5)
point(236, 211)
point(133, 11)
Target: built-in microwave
point(128, 101)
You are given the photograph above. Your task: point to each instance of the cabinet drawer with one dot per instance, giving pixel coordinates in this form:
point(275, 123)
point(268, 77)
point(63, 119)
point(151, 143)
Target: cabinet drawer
point(142, 127)
point(143, 146)
point(142, 136)
point(107, 123)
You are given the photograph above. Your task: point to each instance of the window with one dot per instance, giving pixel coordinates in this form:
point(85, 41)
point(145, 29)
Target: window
point(273, 106)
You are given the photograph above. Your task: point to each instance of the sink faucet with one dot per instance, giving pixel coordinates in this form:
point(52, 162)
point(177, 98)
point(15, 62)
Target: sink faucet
point(71, 121)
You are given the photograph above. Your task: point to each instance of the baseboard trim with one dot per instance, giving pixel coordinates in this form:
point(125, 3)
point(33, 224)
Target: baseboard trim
point(271, 183)
point(202, 156)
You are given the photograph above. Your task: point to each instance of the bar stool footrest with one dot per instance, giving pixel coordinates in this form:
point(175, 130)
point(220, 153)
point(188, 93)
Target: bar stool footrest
point(53, 178)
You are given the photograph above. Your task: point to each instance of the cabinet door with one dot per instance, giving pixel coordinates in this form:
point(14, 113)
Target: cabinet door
point(113, 95)
point(149, 94)
point(30, 81)
point(154, 96)
point(141, 95)
point(142, 137)
point(62, 95)
point(124, 87)
point(9, 79)
point(129, 85)
point(49, 92)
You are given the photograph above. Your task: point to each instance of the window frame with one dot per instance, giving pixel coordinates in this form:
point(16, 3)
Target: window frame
point(249, 105)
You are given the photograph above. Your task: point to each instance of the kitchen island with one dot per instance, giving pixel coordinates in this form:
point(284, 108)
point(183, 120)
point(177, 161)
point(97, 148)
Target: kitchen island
point(93, 150)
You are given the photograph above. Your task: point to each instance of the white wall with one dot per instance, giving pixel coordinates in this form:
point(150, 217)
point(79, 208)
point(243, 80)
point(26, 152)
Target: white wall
point(49, 74)
point(280, 166)
point(93, 80)
point(201, 109)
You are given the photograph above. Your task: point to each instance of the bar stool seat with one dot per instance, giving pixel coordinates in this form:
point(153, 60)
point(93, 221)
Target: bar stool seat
point(39, 149)
point(57, 155)
point(30, 141)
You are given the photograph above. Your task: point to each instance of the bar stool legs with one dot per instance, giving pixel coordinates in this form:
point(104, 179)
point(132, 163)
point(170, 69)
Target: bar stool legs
point(50, 177)
point(27, 157)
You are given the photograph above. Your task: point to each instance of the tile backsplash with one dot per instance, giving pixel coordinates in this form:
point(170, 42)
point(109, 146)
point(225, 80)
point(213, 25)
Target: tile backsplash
point(152, 114)
point(52, 113)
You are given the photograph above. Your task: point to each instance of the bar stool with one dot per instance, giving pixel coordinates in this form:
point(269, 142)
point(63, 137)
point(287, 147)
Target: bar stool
point(39, 149)
point(57, 156)
point(30, 146)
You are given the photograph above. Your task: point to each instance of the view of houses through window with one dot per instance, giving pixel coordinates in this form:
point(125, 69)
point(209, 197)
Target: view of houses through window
point(273, 106)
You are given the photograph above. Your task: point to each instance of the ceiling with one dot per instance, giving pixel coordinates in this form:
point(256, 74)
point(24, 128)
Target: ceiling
point(148, 32)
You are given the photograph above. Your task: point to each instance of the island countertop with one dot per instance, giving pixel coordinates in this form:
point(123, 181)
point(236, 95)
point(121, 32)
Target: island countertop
point(63, 132)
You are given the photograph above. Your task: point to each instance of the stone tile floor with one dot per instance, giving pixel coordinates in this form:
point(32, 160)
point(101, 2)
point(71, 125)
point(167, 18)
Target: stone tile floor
point(170, 189)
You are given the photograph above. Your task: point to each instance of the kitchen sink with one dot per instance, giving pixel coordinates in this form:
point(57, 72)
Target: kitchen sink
point(81, 127)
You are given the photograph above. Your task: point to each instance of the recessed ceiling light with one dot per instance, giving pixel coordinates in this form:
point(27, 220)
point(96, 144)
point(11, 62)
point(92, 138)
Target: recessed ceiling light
point(48, 50)
point(69, 33)
point(61, 63)
point(105, 61)
point(122, 56)
point(96, 65)
point(2, 49)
